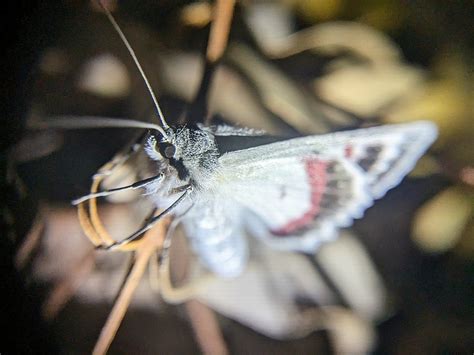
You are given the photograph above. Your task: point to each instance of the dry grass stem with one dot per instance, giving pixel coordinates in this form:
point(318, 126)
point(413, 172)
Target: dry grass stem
point(223, 12)
point(152, 241)
point(65, 289)
point(30, 242)
point(206, 328)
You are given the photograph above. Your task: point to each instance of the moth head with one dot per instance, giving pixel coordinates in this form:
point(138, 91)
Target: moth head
point(189, 150)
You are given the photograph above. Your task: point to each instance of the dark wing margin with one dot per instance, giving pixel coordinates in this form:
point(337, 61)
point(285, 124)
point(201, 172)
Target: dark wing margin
point(386, 158)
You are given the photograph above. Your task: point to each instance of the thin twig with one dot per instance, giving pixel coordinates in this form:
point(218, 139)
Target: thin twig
point(151, 242)
point(206, 328)
point(31, 241)
point(220, 28)
point(65, 289)
point(217, 43)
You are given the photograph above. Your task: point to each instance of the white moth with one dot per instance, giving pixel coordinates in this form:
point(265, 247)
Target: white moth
point(293, 194)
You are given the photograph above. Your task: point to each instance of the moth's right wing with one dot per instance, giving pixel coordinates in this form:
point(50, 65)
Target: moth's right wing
point(384, 153)
point(300, 191)
point(285, 198)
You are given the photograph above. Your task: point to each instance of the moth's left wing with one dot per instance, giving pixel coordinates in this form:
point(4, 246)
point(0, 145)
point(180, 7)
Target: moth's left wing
point(300, 191)
point(285, 198)
point(223, 130)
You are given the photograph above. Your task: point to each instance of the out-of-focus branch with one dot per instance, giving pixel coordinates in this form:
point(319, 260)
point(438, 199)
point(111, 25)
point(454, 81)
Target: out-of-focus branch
point(206, 328)
point(31, 242)
point(151, 242)
point(66, 289)
point(217, 43)
point(223, 12)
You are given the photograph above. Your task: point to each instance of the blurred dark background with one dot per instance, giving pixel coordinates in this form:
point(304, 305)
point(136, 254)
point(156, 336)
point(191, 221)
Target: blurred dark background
point(420, 237)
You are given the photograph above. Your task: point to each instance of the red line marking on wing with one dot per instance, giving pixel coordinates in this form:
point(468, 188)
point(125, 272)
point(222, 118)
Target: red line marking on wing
point(316, 170)
point(348, 151)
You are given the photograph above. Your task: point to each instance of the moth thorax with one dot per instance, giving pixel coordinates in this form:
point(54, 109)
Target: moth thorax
point(198, 149)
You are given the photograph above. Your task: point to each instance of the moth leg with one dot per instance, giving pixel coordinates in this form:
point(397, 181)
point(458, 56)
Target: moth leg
point(152, 221)
point(135, 185)
point(134, 244)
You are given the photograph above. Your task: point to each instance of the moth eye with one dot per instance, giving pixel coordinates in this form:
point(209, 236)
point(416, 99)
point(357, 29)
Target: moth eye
point(167, 150)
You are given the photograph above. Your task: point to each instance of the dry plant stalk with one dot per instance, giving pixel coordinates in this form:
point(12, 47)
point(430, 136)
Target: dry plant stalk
point(151, 243)
point(31, 242)
point(65, 290)
point(223, 13)
point(206, 328)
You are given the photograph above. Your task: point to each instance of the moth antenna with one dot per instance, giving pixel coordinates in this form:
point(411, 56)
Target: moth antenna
point(84, 122)
point(136, 185)
point(137, 63)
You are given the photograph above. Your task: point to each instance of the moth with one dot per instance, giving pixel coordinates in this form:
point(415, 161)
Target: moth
point(223, 183)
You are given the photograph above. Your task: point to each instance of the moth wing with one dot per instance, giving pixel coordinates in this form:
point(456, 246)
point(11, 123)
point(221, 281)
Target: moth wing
point(387, 153)
point(286, 197)
point(300, 191)
point(223, 130)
